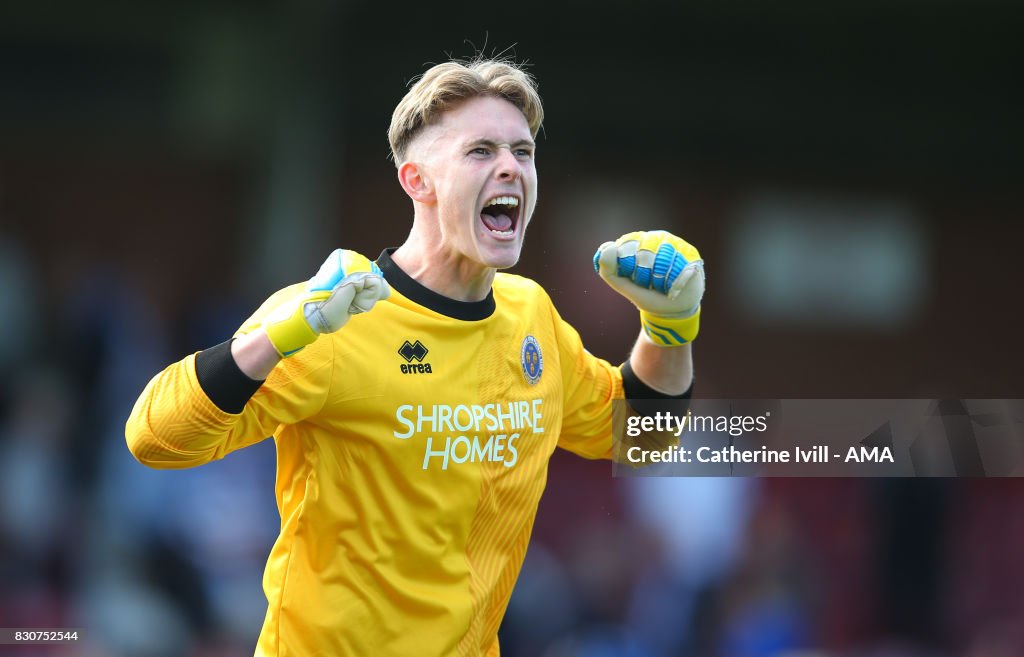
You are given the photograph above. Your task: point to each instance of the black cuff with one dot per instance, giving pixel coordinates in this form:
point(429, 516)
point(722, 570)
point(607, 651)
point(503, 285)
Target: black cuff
point(645, 400)
point(227, 386)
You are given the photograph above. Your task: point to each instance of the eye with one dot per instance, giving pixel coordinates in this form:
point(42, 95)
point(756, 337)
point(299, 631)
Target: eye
point(523, 153)
point(480, 150)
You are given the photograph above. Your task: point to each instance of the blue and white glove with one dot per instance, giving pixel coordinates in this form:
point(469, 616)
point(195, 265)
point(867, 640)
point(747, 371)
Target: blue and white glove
point(346, 284)
point(663, 276)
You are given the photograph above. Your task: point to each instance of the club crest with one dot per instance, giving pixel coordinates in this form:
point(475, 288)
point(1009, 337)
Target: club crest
point(532, 359)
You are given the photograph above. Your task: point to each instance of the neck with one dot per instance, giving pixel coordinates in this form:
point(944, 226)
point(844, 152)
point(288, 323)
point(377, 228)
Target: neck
point(440, 269)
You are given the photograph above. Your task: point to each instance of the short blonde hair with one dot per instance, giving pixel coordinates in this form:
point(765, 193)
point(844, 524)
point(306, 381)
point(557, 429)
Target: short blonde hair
point(444, 86)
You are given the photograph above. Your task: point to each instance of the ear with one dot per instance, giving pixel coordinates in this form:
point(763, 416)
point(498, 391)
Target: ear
point(415, 183)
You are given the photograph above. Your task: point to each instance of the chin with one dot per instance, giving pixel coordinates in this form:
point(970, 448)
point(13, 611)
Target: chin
point(502, 260)
point(506, 265)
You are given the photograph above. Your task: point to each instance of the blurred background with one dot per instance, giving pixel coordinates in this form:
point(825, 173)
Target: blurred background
point(851, 172)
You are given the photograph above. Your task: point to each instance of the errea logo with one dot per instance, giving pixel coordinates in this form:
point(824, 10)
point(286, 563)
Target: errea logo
point(415, 351)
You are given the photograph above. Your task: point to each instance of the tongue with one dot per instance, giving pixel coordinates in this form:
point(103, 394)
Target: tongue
point(499, 222)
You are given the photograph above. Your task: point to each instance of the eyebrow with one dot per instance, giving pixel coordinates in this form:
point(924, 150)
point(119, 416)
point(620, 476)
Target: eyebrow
point(493, 144)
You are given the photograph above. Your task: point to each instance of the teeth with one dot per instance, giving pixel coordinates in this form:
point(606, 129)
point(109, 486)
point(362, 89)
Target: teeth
point(503, 200)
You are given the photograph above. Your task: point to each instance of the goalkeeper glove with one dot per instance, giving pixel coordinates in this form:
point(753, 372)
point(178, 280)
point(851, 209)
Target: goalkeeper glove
point(346, 284)
point(664, 278)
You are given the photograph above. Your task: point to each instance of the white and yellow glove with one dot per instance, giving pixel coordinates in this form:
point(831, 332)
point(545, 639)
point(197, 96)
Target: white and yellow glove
point(346, 284)
point(663, 276)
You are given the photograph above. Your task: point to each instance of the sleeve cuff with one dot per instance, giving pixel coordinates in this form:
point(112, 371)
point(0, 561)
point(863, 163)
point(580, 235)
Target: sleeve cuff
point(645, 400)
point(221, 379)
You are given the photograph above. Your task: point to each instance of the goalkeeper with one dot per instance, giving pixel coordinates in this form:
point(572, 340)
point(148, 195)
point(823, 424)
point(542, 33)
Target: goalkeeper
point(415, 401)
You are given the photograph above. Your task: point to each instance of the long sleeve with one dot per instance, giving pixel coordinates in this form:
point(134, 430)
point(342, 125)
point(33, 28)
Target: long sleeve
point(590, 386)
point(599, 399)
point(174, 424)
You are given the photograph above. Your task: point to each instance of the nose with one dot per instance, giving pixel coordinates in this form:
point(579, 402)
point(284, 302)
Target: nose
point(508, 166)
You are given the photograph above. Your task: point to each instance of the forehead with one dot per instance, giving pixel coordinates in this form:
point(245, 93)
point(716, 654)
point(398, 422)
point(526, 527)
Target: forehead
point(484, 117)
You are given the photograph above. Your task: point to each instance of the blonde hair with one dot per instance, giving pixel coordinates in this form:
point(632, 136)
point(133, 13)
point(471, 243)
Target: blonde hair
point(446, 85)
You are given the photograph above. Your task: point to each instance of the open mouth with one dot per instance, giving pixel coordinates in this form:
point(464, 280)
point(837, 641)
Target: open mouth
point(501, 215)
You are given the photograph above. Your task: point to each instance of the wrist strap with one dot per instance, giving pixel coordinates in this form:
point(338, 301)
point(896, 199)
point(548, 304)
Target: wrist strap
point(670, 331)
point(291, 334)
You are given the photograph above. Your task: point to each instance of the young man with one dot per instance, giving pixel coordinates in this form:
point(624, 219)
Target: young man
point(413, 440)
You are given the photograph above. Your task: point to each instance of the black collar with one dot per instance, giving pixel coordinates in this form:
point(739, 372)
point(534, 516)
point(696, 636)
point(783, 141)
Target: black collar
point(414, 291)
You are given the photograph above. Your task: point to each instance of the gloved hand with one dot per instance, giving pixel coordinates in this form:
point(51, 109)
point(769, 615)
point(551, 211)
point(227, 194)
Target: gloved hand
point(663, 276)
point(346, 284)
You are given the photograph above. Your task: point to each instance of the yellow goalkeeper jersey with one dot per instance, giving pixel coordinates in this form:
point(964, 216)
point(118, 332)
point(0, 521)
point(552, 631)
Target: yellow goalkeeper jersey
point(412, 448)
